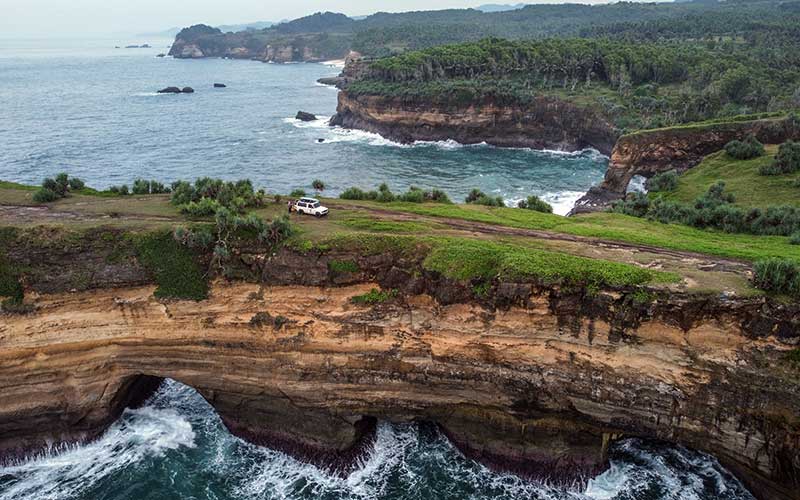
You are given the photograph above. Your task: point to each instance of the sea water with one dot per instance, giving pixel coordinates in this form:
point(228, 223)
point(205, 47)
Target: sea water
point(91, 110)
point(176, 447)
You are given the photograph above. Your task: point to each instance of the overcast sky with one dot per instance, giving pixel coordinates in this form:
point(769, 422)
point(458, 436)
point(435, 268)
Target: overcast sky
point(58, 18)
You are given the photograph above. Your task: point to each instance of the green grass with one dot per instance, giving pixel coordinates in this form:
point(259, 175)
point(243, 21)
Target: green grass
point(618, 227)
point(468, 259)
point(374, 297)
point(173, 266)
point(343, 266)
point(741, 179)
point(382, 226)
point(723, 121)
point(464, 259)
point(14, 185)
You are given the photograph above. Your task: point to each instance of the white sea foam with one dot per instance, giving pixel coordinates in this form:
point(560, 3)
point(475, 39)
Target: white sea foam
point(146, 432)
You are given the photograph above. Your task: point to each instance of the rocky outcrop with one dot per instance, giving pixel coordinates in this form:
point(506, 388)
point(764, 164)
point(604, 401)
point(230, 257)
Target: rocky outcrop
point(651, 152)
point(304, 116)
point(356, 67)
point(547, 123)
point(536, 379)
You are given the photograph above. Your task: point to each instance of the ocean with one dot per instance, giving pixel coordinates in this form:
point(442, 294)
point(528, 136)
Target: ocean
point(87, 108)
point(91, 110)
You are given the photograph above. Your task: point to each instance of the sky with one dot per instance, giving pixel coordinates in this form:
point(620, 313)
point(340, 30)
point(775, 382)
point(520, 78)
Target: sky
point(71, 18)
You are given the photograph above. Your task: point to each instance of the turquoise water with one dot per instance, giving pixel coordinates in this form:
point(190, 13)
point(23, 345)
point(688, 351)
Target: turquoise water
point(175, 447)
point(93, 111)
point(89, 109)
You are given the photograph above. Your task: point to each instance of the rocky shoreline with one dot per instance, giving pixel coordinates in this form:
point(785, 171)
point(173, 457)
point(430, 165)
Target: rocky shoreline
point(548, 123)
point(534, 379)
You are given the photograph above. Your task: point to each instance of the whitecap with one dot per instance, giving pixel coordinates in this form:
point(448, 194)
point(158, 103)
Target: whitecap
point(65, 472)
point(334, 63)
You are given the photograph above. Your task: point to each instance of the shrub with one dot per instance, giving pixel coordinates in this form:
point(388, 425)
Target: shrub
point(76, 184)
point(663, 182)
point(235, 196)
point(787, 160)
point(141, 186)
point(385, 195)
point(45, 195)
point(794, 238)
point(745, 150)
point(778, 276)
point(297, 193)
point(318, 185)
point(58, 187)
point(535, 203)
point(120, 190)
point(714, 210)
point(355, 193)
point(478, 197)
point(203, 208)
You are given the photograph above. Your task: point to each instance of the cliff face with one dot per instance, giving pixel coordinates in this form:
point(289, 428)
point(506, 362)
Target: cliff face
point(538, 380)
point(547, 123)
point(651, 152)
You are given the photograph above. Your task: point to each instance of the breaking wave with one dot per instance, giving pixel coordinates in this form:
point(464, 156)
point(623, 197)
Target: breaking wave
point(176, 447)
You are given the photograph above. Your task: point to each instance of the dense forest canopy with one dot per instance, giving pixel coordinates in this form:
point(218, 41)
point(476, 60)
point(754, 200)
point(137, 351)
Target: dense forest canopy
point(383, 34)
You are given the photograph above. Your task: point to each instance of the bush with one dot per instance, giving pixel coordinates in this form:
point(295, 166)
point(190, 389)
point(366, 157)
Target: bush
point(777, 275)
point(141, 186)
point(794, 238)
point(535, 203)
point(478, 197)
point(59, 187)
point(297, 193)
point(76, 184)
point(714, 210)
point(203, 208)
point(45, 195)
point(385, 195)
point(663, 182)
point(787, 160)
point(318, 185)
point(120, 190)
point(745, 150)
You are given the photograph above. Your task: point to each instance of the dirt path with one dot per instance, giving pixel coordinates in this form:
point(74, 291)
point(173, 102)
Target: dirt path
point(704, 262)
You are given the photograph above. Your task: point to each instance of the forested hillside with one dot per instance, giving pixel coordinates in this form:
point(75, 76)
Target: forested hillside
point(383, 34)
point(636, 83)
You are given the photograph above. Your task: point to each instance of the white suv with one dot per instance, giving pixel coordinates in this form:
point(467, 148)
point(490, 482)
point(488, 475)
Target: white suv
point(310, 206)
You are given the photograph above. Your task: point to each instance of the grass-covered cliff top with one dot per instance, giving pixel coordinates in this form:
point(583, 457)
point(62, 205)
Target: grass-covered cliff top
point(461, 241)
point(637, 84)
point(742, 179)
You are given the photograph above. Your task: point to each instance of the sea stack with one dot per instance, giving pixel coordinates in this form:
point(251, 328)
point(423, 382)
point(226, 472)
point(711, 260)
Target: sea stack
point(305, 117)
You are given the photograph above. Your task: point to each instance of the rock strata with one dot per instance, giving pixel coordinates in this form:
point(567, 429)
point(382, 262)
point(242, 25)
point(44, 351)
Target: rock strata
point(536, 379)
point(547, 123)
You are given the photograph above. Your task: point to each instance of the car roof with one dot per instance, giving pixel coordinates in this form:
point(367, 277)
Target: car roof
point(309, 200)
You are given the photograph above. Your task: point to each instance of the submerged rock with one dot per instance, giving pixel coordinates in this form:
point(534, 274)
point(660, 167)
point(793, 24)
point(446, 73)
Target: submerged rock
point(219, 85)
point(187, 90)
point(305, 117)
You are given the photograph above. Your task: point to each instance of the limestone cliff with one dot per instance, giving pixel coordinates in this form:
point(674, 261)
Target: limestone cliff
point(650, 152)
point(535, 379)
point(548, 122)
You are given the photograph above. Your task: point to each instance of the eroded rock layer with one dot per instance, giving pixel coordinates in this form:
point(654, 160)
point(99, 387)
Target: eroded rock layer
point(547, 123)
point(540, 382)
